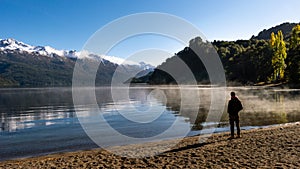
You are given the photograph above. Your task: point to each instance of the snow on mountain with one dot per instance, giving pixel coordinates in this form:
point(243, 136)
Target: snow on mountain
point(11, 44)
point(146, 66)
point(14, 45)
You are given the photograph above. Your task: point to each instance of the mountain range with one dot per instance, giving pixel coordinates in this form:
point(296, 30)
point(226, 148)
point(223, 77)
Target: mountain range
point(244, 61)
point(23, 65)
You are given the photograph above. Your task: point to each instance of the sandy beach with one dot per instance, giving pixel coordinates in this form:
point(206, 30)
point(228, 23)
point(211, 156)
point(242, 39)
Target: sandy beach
point(272, 147)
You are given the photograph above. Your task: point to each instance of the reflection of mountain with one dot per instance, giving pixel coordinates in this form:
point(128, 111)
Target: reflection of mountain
point(27, 108)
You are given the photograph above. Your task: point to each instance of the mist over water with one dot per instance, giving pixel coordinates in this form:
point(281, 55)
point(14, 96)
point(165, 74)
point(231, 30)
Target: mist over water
point(263, 106)
point(42, 121)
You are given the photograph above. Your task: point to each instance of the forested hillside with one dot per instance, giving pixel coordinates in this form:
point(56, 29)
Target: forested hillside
point(256, 61)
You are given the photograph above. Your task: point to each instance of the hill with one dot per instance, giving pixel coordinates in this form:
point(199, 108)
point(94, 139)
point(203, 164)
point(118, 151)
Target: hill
point(286, 29)
point(244, 61)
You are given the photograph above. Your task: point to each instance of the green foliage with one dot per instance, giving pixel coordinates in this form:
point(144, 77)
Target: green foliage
point(294, 56)
point(294, 67)
point(245, 61)
point(295, 37)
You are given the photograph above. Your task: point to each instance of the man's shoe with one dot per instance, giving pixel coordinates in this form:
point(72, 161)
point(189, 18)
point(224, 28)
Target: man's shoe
point(239, 136)
point(230, 138)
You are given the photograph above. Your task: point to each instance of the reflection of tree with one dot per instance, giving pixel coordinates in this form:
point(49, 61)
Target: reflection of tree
point(262, 118)
point(266, 107)
point(186, 108)
point(261, 107)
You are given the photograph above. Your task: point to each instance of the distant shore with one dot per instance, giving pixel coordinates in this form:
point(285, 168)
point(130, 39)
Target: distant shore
point(272, 147)
point(228, 84)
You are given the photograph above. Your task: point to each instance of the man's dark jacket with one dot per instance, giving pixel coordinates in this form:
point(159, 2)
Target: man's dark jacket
point(234, 106)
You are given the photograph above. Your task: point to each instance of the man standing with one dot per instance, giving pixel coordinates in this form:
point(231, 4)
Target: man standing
point(234, 106)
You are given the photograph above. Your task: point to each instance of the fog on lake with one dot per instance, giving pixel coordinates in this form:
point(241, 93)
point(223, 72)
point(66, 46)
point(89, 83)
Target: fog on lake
point(43, 120)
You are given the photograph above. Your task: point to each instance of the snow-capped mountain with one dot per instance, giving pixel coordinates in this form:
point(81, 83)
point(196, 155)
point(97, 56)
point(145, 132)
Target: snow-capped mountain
point(14, 45)
point(10, 45)
point(23, 65)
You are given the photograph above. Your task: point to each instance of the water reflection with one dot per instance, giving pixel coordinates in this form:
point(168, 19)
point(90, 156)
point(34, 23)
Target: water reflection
point(28, 108)
point(261, 106)
point(37, 121)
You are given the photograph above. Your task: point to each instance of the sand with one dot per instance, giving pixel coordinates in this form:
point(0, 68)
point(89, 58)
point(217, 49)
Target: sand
point(272, 147)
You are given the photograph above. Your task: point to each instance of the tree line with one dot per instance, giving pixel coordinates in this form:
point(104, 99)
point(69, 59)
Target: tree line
point(263, 61)
point(253, 61)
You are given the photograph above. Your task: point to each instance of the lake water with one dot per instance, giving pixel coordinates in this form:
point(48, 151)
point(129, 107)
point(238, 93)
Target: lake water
point(43, 120)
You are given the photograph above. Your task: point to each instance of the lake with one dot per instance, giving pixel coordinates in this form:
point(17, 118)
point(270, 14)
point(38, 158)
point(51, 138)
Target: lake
point(38, 121)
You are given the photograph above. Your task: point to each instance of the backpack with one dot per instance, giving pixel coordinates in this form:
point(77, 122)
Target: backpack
point(236, 106)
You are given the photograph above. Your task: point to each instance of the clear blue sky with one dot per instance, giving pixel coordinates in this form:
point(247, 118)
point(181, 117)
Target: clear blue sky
point(67, 24)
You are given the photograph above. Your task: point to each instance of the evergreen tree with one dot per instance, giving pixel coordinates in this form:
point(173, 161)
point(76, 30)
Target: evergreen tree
point(294, 67)
point(295, 37)
point(294, 56)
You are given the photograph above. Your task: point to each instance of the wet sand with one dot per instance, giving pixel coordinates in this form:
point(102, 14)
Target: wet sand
point(273, 147)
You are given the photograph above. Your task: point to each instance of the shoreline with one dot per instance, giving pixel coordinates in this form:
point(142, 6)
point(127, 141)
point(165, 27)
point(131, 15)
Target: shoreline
point(113, 147)
point(274, 146)
point(228, 84)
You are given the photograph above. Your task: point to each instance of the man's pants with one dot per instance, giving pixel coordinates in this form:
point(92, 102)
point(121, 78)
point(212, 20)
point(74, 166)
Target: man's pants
point(232, 119)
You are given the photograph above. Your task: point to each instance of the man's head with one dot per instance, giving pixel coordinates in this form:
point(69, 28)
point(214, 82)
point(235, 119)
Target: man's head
point(232, 94)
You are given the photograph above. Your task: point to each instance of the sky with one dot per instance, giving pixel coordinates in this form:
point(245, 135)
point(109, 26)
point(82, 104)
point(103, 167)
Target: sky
point(68, 24)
